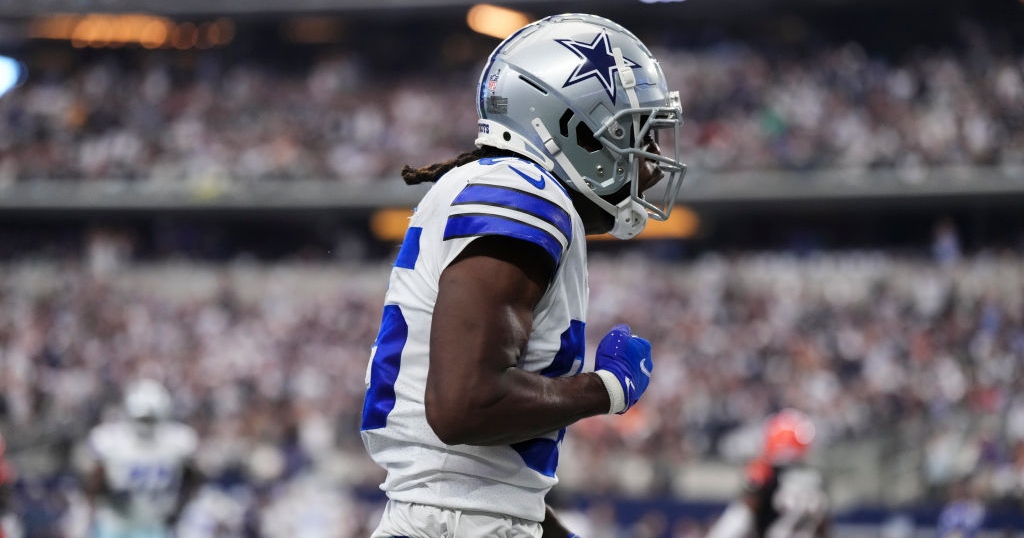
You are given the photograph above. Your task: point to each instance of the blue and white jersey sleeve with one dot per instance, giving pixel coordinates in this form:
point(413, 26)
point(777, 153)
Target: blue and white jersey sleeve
point(513, 198)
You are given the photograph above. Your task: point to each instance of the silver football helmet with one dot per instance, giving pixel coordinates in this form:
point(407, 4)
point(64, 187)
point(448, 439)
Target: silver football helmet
point(583, 97)
point(147, 400)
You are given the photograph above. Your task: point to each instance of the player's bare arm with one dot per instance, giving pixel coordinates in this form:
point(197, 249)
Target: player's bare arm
point(191, 481)
point(475, 392)
point(95, 484)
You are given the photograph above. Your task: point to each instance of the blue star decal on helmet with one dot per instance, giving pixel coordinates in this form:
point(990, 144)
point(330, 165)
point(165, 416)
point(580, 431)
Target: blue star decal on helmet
point(597, 61)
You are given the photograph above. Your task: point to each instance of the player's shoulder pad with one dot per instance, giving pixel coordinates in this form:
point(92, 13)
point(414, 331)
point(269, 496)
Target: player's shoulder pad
point(518, 173)
point(107, 436)
point(182, 437)
point(512, 197)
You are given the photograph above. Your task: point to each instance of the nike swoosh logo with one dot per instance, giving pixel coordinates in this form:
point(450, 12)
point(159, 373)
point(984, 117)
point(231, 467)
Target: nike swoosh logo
point(644, 368)
point(539, 183)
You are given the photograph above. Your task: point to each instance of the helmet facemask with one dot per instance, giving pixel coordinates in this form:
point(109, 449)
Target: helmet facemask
point(649, 125)
point(624, 139)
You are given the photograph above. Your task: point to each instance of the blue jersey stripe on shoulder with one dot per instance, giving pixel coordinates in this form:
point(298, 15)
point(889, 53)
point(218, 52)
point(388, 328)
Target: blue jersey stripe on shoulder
point(474, 224)
point(410, 251)
point(517, 200)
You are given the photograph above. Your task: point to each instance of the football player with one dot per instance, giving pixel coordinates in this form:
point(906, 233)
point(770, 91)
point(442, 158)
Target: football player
point(479, 364)
point(782, 497)
point(143, 472)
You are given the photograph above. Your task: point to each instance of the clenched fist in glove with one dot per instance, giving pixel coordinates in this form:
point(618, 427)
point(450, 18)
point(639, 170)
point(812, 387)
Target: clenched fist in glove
point(624, 363)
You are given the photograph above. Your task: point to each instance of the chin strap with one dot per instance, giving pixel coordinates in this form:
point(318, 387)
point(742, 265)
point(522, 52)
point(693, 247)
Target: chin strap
point(630, 216)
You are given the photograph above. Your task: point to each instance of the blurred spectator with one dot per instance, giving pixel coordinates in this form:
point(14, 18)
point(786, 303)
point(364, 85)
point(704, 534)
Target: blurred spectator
point(142, 117)
point(898, 526)
point(268, 363)
point(964, 513)
point(946, 242)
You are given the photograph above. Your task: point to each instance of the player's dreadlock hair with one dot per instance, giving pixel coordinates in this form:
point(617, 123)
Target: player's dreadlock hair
point(433, 172)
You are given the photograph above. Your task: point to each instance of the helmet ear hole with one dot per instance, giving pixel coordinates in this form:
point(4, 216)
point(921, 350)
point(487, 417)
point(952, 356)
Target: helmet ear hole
point(585, 138)
point(563, 123)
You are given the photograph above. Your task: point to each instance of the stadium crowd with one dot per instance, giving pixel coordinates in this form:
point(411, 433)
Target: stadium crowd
point(268, 363)
point(214, 119)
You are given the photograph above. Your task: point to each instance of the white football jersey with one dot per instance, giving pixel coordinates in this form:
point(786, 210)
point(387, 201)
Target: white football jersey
point(146, 471)
point(494, 196)
point(800, 502)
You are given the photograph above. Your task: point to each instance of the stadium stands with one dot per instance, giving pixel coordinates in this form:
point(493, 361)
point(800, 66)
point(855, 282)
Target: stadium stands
point(268, 362)
point(145, 119)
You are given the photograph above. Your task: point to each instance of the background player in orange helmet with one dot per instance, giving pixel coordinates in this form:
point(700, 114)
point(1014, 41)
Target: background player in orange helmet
point(782, 497)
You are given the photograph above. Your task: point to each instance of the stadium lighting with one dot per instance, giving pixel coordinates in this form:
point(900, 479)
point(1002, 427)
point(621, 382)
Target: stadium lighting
point(683, 223)
point(390, 224)
point(495, 21)
point(115, 30)
point(11, 74)
point(154, 34)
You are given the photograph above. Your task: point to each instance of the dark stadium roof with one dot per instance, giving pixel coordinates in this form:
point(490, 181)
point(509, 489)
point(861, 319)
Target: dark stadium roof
point(24, 8)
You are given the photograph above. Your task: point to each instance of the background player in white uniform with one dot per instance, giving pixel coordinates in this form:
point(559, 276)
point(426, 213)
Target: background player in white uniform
point(142, 469)
point(782, 498)
point(480, 364)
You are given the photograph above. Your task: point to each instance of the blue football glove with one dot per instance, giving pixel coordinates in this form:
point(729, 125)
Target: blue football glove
point(624, 363)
